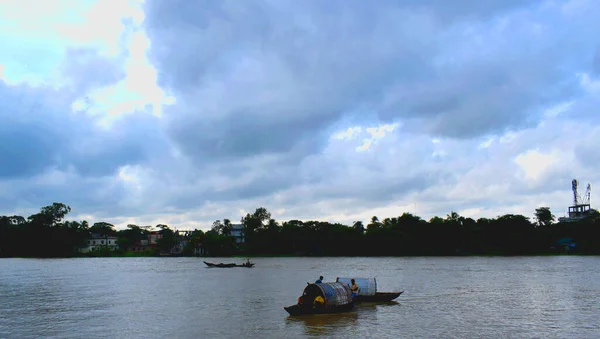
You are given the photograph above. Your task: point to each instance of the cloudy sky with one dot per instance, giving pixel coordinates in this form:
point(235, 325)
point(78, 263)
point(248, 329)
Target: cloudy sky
point(183, 112)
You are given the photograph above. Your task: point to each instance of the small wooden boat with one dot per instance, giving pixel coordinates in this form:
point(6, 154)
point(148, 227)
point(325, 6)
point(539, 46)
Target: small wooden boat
point(368, 290)
point(221, 265)
point(296, 310)
point(323, 298)
point(378, 297)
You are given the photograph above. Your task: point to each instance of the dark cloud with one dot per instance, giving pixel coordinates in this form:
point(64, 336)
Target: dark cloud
point(134, 139)
point(244, 134)
point(39, 132)
point(84, 194)
point(596, 63)
point(261, 77)
point(373, 193)
point(256, 78)
point(467, 9)
point(588, 154)
point(32, 132)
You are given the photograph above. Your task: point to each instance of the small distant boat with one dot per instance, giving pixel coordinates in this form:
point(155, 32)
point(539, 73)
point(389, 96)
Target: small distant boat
point(323, 298)
point(368, 290)
point(221, 265)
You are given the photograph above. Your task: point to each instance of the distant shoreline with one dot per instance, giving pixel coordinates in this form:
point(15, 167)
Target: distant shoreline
point(237, 258)
point(48, 235)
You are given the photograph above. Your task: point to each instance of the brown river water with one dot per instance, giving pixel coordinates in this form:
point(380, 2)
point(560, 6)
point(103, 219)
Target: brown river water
point(466, 297)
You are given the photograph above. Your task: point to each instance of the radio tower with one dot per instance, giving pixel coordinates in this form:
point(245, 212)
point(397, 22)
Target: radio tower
point(581, 206)
point(574, 184)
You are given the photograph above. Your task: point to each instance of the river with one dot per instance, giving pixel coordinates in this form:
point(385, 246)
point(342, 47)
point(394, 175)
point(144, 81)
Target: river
point(466, 297)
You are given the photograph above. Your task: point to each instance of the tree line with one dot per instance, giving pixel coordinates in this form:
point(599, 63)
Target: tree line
point(48, 234)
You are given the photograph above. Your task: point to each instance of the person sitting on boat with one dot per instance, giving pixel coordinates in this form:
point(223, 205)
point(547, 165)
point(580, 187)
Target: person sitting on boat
point(319, 302)
point(320, 280)
point(354, 288)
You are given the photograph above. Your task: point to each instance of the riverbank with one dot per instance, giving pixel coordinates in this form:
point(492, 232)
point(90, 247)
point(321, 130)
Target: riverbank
point(237, 257)
point(46, 234)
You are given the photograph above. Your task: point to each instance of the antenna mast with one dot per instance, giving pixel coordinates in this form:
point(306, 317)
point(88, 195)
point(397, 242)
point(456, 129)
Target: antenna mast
point(588, 195)
point(574, 184)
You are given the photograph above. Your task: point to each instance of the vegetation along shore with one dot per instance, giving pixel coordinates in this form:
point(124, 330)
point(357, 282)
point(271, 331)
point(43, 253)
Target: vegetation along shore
point(49, 234)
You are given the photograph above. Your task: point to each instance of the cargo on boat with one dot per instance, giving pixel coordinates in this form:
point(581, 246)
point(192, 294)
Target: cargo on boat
point(323, 298)
point(367, 290)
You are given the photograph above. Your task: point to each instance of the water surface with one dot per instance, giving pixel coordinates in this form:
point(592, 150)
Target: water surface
point(474, 297)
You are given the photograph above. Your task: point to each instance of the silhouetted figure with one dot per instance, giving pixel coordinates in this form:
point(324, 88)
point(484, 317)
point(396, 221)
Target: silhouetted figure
point(354, 288)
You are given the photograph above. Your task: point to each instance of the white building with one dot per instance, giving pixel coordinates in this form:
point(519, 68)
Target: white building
point(237, 231)
point(97, 242)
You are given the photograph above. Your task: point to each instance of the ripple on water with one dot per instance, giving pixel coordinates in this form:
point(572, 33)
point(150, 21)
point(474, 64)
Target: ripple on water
point(179, 297)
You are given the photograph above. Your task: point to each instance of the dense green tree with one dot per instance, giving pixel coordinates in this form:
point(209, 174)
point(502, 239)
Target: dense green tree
point(227, 227)
point(359, 227)
point(167, 239)
point(48, 234)
point(132, 235)
point(103, 228)
point(544, 216)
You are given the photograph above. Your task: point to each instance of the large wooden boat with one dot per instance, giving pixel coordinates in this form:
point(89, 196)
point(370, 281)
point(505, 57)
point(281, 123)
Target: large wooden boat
point(368, 290)
point(221, 265)
point(323, 298)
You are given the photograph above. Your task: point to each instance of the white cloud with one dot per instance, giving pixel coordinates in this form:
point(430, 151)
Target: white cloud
point(487, 143)
point(376, 134)
point(534, 163)
point(590, 85)
point(348, 134)
point(557, 110)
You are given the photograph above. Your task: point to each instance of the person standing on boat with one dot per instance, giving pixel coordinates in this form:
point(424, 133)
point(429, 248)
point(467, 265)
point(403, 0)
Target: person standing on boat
point(354, 288)
point(320, 280)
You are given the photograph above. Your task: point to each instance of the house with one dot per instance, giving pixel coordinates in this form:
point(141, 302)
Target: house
point(99, 241)
point(237, 231)
point(153, 238)
point(150, 241)
point(183, 239)
point(138, 246)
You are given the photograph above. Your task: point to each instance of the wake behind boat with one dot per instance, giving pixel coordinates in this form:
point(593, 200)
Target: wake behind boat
point(221, 265)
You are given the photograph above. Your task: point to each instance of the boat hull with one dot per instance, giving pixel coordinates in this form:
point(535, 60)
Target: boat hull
point(378, 297)
point(296, 310)
point(220, 265)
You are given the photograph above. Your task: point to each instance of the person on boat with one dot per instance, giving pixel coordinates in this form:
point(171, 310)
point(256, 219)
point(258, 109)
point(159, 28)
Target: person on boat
point(354, 288)
point(319, 302)
point(320, 280)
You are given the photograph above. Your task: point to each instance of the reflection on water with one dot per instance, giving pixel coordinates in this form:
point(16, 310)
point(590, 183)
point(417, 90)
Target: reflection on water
point(324, 324)
point(469, 297)
point(332, 324)
point(373, 306)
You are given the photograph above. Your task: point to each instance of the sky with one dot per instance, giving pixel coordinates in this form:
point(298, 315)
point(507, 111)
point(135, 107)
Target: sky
point(184, 112)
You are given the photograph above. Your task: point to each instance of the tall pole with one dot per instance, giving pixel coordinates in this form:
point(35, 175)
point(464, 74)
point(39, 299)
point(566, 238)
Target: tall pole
point(574, 184)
